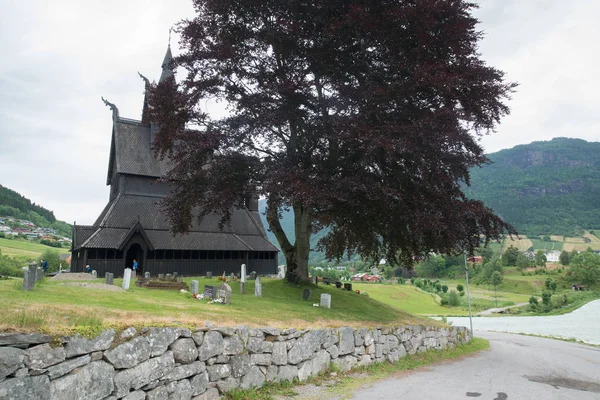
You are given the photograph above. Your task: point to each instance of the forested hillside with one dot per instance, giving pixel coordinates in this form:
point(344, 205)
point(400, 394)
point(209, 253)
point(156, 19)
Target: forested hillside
point(543, 188)
point(15, 205)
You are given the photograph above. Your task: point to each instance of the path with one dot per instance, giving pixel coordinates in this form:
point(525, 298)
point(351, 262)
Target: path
point(515, 367)
point(499, 310)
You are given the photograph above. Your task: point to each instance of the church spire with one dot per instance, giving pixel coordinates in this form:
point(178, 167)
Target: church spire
point(167, 65)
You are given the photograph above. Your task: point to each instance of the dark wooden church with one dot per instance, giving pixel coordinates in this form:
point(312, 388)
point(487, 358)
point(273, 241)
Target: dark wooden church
point(131, 226)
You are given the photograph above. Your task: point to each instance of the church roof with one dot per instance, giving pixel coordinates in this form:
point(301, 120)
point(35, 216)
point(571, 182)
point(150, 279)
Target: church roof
point(243, 232)
point(131, 151)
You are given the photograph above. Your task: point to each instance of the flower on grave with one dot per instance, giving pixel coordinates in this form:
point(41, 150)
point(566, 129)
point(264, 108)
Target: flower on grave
point(316, 305)
point(183, 291)
point(358, 291)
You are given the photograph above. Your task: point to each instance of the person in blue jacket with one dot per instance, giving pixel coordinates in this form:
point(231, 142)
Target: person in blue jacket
point(135, 265)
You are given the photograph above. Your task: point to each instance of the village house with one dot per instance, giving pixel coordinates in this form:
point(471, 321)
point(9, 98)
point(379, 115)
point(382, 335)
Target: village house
point(553, 256)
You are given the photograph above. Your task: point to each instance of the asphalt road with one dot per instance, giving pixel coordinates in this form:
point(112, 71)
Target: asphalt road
point(516, 367)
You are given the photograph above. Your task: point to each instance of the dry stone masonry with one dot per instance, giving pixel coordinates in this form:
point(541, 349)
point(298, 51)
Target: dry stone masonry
point(176, 363)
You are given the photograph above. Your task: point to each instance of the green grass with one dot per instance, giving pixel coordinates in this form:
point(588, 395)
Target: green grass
point(54, 306)
point(344, 385)
point(410, 299)
point(406, 297)
point(26, 249)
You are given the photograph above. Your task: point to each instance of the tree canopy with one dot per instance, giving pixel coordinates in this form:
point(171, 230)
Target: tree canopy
point(360, 116)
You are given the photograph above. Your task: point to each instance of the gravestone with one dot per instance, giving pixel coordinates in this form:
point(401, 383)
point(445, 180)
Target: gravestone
point(179, 279)
point(338, 284)
point(175, 274)
point(253, 275)
point(161, 276)
point(348, 287)
point(27, 281)
point(147, 274)
point(94, 274)
point(258, 287)
point(39, 274)
point(210, 292)
point(109, 277)
point(209, 274)
point(325, 300)
point(168, 276)
point(225, 293)
point(126, 278)
point(306, 295)
point(243, 279)
point(194, 287)
point(315, 280)
point(232, 277)
point(133, 274)
point(281, 269)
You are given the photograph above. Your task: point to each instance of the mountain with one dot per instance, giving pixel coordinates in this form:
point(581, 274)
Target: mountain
point(543, 188)
point(15, 205)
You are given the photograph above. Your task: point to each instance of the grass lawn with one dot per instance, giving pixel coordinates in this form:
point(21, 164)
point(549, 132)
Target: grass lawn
point(406, 297)
point(57, 307)
point(26, 248)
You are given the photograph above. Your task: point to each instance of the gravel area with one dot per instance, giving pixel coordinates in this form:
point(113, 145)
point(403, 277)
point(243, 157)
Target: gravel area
point(75, 276)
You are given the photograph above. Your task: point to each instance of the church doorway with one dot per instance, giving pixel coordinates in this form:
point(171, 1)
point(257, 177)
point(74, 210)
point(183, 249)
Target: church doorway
point(135, 252)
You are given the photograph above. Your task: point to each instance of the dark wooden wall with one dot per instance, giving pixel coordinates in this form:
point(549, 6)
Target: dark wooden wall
point(182, 267)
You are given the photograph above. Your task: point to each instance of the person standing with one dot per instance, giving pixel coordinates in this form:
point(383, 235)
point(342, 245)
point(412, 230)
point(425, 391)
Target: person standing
point(44, 265)
point(135, 265)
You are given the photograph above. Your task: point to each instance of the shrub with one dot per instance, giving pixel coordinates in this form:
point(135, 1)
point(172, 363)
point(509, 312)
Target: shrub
point(462, 294)
point(453, 299)
point(445, 288)
point(438, 287)
point(533, 301)
point(460, 287)
point(444, 302)
point(546, 297)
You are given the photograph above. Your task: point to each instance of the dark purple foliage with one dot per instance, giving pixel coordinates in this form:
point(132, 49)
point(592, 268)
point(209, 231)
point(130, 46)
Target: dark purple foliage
point(362, 116)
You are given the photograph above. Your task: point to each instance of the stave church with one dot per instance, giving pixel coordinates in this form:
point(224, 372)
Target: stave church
point(132, 226)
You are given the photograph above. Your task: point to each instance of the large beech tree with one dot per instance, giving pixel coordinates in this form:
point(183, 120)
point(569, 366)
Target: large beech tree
point(363, 117)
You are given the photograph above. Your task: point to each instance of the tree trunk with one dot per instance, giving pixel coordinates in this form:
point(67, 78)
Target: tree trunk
point(303, 229)
point(296, 255)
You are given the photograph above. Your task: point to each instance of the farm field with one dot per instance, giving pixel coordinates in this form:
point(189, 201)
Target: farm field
point(281, 305)
point(26, 249)
point(521, 244)
point(546, 246)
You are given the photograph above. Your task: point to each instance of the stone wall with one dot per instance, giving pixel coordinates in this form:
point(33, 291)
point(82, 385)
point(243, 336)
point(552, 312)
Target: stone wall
point(176, 363)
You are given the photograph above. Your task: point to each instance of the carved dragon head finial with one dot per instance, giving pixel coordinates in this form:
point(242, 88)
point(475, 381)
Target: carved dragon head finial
point(114, 108)
point(146, 80)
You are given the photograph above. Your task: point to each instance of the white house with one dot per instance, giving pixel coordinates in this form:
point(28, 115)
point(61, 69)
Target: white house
point(553, 256)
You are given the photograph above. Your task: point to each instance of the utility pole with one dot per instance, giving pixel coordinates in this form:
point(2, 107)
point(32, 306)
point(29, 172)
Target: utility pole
point(469, 296)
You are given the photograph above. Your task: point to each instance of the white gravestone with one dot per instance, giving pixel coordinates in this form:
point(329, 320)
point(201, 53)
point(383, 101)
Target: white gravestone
point(194, 287)
point(325, 300)
point(94, 274)
point(281, 271)
point(243, 274)
point(258, 287)
point(243, 279)
point(126, 278)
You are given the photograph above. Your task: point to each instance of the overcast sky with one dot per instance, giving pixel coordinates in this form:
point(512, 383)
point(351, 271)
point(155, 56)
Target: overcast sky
point(58, 57)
